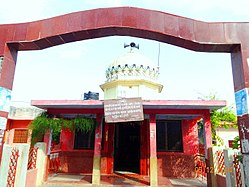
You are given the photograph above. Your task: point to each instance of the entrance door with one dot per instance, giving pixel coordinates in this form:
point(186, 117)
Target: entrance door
point(127, 147)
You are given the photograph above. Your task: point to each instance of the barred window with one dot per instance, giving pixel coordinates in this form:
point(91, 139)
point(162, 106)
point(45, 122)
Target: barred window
point(20, 136)
point(84, 140)
point(169, 136)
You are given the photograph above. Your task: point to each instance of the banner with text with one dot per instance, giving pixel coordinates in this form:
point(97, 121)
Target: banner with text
point(242, 102)
point(123, 110)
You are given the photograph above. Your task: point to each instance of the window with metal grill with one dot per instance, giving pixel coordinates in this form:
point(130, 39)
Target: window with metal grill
point(169, 136)
point(20, 136)
point(84, 140)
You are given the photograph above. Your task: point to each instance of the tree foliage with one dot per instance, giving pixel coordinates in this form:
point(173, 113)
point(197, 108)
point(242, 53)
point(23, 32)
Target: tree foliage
point(43, 123)
point(224, 117)
point(236, 142)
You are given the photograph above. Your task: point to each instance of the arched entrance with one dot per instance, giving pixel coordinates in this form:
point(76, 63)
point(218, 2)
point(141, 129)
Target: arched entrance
point(187, 33)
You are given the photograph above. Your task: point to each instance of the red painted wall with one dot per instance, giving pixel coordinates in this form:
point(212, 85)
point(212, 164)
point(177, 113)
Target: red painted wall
point(77, 161)
point(67, 140)
point(74, 161)
point(190, 137)
point(170, 164)
point(177, 165)
point(181, 165)
point(12, 124)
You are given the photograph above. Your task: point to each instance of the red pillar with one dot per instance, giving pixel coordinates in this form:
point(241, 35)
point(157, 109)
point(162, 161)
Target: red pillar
point(207, 132)
point(144, 147)
point(97, 151)
point(110, 148)
point(153, 151)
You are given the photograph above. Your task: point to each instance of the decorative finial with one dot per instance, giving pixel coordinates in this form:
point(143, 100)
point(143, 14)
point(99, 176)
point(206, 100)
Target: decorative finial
point(132, 45)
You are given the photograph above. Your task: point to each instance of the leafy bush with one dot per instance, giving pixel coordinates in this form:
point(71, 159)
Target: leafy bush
point(236, 143)
point(43, 123)
point(222, 118)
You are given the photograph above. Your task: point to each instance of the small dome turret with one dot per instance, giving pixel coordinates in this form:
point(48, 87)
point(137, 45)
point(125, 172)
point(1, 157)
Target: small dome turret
point(132, 65)
point(131, 75)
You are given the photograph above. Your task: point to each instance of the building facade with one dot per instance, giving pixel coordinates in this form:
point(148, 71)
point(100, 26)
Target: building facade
point(164, 143)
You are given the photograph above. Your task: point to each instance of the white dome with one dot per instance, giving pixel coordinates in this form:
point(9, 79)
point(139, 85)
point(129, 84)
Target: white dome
point(132, 65)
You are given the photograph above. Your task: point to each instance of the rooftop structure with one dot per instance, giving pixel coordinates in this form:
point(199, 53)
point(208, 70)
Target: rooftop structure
point(131, 75)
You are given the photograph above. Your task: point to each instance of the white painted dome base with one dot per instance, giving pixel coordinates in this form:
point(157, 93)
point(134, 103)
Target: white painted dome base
point(131, 75)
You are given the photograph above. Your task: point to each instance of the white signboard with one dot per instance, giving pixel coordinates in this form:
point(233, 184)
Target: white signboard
point(123, 110)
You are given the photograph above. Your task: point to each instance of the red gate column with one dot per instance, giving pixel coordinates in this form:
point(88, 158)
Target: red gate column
point(7, 70)
point(240, 63)
point(207, 132)
point(153, 153)
point(97, 151)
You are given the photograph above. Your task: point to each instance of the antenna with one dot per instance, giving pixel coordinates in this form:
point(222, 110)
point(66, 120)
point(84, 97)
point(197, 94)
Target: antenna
point(158, 56)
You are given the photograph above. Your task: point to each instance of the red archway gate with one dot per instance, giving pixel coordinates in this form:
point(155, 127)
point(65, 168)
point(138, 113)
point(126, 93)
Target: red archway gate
point(127, 21)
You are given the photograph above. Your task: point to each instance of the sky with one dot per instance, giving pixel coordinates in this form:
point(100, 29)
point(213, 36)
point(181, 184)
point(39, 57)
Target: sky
point(69, 70)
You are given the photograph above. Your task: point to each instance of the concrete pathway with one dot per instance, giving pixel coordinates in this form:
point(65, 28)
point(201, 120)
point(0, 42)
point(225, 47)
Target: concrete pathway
point(188, 182)
point(66, 180)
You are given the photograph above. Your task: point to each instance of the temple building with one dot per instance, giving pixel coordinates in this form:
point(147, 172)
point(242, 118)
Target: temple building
point(139, 134)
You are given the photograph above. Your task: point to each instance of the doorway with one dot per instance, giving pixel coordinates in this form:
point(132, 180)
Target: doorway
point(127, 147)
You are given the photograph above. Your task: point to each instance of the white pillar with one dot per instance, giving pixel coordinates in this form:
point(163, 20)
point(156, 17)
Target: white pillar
point(153, 152)
point(4, 168)
point(229, 169)
point(41, 162)
point(246, 168)
point(22, 163)
point(96, 174)
point(213, 165)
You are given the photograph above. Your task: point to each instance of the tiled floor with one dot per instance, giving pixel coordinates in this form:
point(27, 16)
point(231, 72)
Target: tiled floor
point(118, 179)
